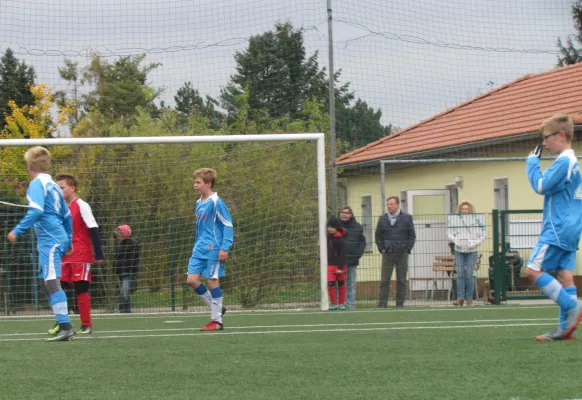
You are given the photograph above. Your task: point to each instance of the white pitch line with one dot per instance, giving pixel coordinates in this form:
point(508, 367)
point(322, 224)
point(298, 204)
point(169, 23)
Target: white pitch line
point(298, 331)
point(309, 325)
point(247, 313)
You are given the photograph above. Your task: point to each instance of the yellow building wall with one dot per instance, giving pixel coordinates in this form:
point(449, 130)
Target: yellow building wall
point(478, 187)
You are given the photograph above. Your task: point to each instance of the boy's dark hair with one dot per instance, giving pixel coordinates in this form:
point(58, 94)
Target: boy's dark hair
point(70, 179)
point(334, 222)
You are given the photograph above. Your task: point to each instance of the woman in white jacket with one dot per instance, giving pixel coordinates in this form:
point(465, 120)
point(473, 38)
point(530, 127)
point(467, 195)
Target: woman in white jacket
point(467, 233)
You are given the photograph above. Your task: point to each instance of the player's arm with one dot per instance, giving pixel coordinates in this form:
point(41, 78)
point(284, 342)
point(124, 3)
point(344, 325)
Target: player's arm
point(36, 198)
point(89, 220)
point(552, 180)
point(225, 219)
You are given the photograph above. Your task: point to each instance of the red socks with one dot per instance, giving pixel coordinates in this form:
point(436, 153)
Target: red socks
point(84, 303)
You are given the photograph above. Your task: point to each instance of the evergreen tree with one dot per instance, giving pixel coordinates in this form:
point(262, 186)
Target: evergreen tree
point(569, 53)
point(16, 78)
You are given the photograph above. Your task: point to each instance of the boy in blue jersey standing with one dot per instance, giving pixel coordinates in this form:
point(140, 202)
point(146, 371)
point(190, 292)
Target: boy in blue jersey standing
point(214, 238)
point(561, 186)
point(50, 216)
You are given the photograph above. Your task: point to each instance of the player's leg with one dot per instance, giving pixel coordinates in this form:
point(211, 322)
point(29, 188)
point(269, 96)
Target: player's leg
point(195, 268)
point(214, 270)
point(83, 274)
point(546, 258)
point(50, 259)
point(571, 290)
point(66, 280)
point(331, 286)
point(341, 283)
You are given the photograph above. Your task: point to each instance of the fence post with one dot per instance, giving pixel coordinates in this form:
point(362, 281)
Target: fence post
point(497, 268)
point(172, 266)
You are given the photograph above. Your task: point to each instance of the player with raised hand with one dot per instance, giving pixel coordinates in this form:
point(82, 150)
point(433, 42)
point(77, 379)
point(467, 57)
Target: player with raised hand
point(76, 268)
point(214, 239)
point(561, 186)
point(50, 216)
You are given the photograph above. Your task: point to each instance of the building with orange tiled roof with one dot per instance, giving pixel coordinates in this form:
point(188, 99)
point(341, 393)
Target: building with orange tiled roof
point(501, 124)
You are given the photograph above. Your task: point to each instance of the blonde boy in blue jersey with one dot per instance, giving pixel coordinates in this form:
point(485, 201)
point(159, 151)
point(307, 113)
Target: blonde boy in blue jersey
point(561, 185)
point(50, 216)
point(214, 238)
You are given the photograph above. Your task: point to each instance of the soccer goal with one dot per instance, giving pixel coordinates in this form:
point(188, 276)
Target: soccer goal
point(274, 186)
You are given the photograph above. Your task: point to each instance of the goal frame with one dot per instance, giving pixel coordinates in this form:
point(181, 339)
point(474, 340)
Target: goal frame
point(319, 138)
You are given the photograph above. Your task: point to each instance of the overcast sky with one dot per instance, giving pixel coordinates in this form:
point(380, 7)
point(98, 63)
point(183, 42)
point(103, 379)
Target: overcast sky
point(411, 58)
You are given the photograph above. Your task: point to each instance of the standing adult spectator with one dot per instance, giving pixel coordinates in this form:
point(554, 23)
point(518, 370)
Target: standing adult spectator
point(395, 238)
point(468, 233)
point(127, 254)
point(356, 244)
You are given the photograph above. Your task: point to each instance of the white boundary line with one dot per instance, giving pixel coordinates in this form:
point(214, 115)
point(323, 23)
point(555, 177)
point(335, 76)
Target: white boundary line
point(309, 331)
point(246, 313)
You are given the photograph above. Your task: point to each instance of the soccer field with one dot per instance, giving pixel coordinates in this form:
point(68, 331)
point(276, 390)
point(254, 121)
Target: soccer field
point(411, 353)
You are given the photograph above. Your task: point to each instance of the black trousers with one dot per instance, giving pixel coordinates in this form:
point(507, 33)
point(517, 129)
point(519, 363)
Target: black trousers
point(389, 261)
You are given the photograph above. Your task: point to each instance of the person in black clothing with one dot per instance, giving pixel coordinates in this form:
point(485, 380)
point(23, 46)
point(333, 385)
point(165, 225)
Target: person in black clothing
point(126, 265)
point(336, 263)
point(356, 244)
point(395, 237)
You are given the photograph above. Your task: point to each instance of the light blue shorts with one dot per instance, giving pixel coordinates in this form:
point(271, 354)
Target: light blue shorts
point(49, 260)
point(210, 269)
point(545, 257)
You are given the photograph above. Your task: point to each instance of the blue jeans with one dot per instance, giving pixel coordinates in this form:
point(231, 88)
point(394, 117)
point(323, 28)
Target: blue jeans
point(352, 274)
point(465, 264)
point(125, 285)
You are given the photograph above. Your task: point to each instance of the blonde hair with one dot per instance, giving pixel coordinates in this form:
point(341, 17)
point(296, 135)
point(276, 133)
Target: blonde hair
point(38, 158)
point(208, 175)
point(557, 123)
point(468, 203)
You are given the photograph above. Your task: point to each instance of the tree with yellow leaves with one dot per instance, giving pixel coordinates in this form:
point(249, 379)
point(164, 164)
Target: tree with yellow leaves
point(29, 122)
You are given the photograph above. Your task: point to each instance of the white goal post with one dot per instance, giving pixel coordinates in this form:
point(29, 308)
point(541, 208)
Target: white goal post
point(295, 137)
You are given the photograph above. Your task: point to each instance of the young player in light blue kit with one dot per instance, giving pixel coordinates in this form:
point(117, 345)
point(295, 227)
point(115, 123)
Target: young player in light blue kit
point(50, 216)
point(214, 238)
point(561, 186)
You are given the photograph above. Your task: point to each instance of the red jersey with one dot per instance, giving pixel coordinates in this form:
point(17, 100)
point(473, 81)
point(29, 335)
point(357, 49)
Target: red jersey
point(82, 220)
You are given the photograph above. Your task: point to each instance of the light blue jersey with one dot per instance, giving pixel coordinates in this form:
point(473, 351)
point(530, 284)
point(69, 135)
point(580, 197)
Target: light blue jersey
point(214, 230)
point(47, 212)
point(561, 186)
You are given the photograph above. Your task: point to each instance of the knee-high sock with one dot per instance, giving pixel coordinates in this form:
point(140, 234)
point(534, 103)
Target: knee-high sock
point(332, 292)
point(216, 306)
point(342, 292)
point(58, 302)
point(572, 292)
point(204, 295)
point(554, 290)
point(84, 303)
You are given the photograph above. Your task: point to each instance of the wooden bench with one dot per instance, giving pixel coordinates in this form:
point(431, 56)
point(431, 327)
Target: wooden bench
point(443, 269)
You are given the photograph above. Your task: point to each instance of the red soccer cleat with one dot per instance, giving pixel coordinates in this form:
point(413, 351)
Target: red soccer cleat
point(212, 326)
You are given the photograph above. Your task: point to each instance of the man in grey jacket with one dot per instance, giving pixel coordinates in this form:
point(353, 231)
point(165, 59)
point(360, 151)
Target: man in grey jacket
point(395, 237)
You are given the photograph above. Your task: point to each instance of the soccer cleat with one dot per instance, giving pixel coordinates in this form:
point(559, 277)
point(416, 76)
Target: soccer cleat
point(212, 326)
point(54, 330)
point(85, 330)
point(223, 311)
point(573, 318)
point(333, 307)
point(342, 307)
point(554, 334)
point(62, 336)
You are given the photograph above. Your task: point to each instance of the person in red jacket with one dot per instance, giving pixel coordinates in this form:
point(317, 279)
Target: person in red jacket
point(87, 250)
point(337, 263)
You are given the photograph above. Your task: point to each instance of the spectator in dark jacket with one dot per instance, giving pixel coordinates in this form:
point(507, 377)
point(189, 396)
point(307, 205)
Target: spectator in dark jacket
point(336, 263)
point(126, 265)
point(395, 237)
point(356, 244)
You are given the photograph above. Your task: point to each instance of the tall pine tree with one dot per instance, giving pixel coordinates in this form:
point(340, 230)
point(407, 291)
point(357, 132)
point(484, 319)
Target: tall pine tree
point(16, 78)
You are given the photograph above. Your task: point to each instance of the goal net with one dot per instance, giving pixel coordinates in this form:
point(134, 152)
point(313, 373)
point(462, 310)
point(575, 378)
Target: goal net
point(274, 186)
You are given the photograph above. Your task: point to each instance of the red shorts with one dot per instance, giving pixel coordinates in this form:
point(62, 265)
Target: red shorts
point(74, 272)
point(332, 276)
